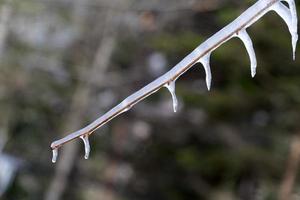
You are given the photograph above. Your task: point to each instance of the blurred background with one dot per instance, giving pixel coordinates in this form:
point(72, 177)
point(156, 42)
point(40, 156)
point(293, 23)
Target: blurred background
point(63, 63)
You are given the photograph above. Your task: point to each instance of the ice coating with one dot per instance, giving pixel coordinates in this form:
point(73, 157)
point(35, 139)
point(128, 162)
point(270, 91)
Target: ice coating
point(246, 19)
point(206, 64)
point(244, 36)
point(127, 108)
point(54, 155)
point(87, 148)
point(171, 87)
point(124, 104)
point(289, 15)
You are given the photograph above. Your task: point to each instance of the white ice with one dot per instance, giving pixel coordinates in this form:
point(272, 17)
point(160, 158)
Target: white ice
point(289, 15)
point(294, 20)
point(54, 155)
point(127, 108)
point(244, 36)
point(206, 64)
point(125, 103)
point(246, 19)
point(87, 147)
point(171, 87)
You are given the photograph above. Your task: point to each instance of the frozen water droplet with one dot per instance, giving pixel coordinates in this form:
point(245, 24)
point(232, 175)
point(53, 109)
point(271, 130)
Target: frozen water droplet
point(171, 87)
point(244, 36)
point(206, 64)
point(127, 108)
point(126, 105)
point(54, 155)
point(289, 15)
point(87, 148)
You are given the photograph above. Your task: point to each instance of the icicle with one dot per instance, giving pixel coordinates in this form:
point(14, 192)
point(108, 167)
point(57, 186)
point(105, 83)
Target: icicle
point(289, 15)
point(54, 155)
point(87, 147)
point(206, 64)
point(244, 36)
point(171, 87)
point(294, 27)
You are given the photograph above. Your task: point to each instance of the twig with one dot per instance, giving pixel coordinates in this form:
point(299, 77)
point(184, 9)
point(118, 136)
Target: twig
point(237, 28)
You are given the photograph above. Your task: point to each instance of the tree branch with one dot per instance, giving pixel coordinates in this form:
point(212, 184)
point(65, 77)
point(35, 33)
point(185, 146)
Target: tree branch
point(237, 28)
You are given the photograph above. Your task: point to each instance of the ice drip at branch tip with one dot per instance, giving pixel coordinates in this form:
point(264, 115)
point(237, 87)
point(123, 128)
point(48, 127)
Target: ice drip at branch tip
point(54, 155)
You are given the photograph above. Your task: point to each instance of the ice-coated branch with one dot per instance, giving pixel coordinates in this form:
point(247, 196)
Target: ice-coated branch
point(201, 54)
point(171, 87)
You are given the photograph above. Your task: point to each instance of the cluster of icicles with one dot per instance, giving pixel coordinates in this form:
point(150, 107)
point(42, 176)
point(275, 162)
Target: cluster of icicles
point(290, 18)
point(288, 14)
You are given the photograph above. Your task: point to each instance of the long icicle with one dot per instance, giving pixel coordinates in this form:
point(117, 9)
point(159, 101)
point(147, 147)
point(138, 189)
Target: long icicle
point(171, 87)
point(244, 36)
point(205, 61)
point(289, 16)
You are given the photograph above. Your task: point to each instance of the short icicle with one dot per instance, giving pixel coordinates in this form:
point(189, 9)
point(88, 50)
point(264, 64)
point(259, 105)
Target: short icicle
point(54, 155)
point(289, 15)
point(87, 148)
point(205, 61)
point(244, 36)
point(171, 87)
